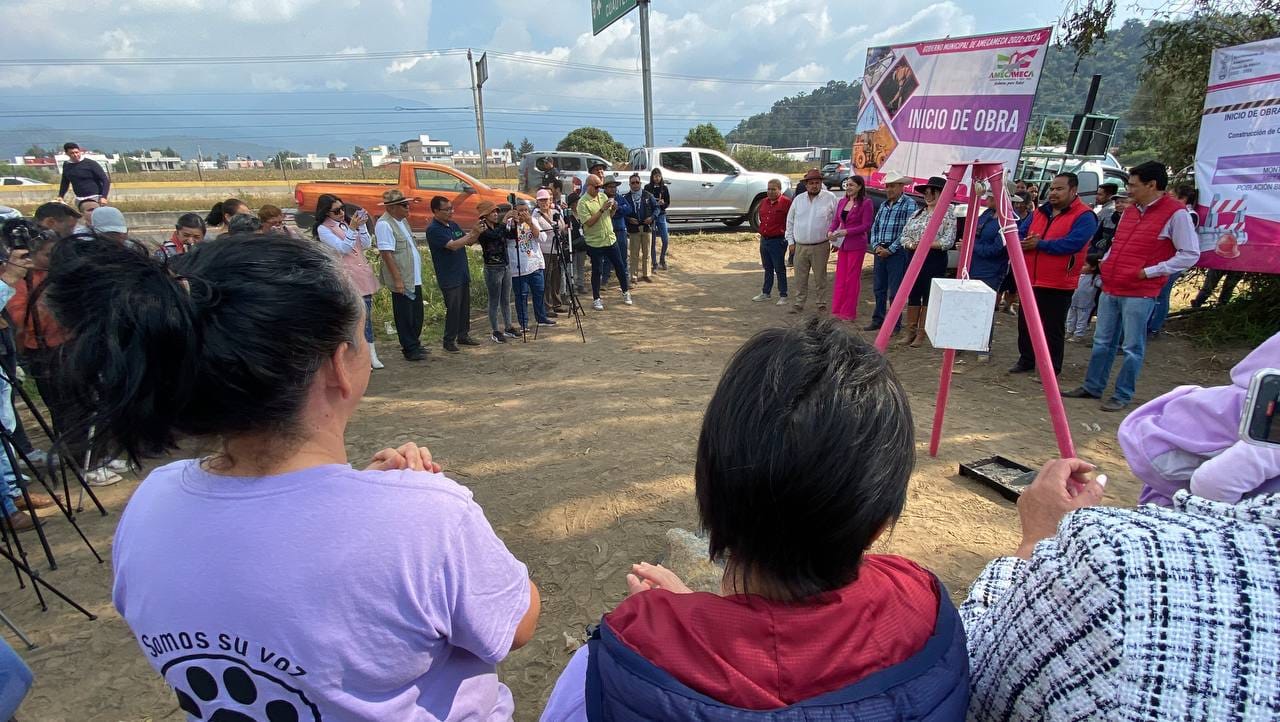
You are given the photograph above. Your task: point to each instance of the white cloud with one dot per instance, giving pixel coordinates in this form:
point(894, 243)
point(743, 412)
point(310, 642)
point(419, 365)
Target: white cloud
point(934, 21)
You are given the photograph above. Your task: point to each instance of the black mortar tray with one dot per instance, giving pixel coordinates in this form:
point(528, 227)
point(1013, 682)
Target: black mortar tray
point(1006, 476)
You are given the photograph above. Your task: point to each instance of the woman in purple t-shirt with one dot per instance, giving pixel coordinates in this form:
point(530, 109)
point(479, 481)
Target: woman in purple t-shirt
point(271, 580)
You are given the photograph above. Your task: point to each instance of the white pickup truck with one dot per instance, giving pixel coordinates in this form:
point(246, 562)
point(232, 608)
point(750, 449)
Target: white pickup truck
point(706, 185)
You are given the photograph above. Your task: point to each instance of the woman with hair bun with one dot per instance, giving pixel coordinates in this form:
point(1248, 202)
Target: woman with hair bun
point(223, 211)
point(269, 576)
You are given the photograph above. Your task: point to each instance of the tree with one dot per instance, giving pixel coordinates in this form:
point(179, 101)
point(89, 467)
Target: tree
point(36, 151)
point(526, 147)
point(594, 140)
point(359, 156)
point(705, 136)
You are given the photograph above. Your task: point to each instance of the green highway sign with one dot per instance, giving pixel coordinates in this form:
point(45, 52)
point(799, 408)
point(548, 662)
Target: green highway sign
point(606, 12)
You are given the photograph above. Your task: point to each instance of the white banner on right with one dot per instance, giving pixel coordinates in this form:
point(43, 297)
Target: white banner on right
point(1238, 160)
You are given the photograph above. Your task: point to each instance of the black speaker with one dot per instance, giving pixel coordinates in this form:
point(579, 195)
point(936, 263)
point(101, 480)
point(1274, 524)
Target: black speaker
point(1091, 134)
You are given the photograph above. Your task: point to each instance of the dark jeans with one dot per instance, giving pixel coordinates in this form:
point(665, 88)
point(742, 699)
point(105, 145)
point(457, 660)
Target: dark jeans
point(457, 312)
point(888, 274)
point(524, 285)
point(601, 256)
point(408, 316)
point(368, 319)
point(621, 245)
point(773, 256)
point(68, 417)
point(660, 229)
point(1161, 312)
point(1054, 304)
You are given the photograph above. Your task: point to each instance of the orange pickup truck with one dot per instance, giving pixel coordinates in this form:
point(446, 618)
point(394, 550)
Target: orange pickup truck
point(417, 180)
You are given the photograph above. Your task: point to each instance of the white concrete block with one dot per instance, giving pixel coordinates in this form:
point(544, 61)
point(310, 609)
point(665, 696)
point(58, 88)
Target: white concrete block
point(960, 314)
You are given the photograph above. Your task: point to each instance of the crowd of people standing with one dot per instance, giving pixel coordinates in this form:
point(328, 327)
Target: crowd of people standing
point(808, 621)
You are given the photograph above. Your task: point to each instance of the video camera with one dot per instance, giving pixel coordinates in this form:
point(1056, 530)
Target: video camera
point(18, 234)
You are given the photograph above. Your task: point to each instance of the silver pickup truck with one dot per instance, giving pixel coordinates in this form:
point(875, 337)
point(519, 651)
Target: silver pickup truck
point(706, 185)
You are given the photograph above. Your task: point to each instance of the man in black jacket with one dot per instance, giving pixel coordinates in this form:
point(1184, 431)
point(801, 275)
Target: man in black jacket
point(85, 177)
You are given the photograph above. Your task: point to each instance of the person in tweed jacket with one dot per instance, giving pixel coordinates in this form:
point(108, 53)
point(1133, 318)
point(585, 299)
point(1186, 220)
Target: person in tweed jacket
point(1151, 613)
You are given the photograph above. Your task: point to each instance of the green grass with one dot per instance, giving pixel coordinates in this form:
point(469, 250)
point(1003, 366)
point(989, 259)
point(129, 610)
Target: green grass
point(1249, 319)
point(433, 301)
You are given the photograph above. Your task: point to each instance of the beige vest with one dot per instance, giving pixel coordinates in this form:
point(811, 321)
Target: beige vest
point(403, 256)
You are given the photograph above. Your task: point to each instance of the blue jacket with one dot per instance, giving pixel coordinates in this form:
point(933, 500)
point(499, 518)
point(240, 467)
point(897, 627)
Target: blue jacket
point(990, 257)
point(635, 213)
point(623, 686)
point(620, 216)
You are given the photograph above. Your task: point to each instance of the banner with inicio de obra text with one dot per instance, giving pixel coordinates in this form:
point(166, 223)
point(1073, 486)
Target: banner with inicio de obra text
point(930, 104)
point(1238, 160)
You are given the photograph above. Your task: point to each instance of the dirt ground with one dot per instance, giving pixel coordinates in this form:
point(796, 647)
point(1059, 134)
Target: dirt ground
point(582, 456)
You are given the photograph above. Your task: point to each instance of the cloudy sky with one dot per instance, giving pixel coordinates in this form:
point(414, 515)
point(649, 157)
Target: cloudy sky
point(732, 59)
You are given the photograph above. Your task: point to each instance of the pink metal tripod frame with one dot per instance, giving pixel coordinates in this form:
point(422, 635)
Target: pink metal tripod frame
point(994, 173)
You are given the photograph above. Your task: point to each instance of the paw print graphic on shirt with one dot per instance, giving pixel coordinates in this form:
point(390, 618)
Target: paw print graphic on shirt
point(214, 688)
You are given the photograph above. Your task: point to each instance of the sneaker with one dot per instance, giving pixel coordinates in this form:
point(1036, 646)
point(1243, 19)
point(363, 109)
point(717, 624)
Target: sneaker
point(38, 456)
point(102, 477)
point(781, 301)
point(551, 313)
point(119, 466)
point(21, 522)
point(873, 326)
point(512, 332)
point(497, 337)
point(626, 297)
point(547, 322)
point(416, 355)
point(451, 347)
point(761, 297)
point(1018, 368)
point(597, 305)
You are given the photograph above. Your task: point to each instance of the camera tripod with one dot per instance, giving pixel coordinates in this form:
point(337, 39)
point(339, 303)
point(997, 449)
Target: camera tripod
point(564, 251)
point(12, 549)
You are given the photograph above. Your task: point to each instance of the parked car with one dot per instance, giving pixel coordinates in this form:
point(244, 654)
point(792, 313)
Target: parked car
point(6, 213)
point(18, 180)
point(571, 165)
point(417, 180)
point(707, 185)
point(835, 173)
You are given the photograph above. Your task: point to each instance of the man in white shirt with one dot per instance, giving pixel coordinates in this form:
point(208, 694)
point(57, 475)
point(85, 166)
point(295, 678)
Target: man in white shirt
point(807, 223)
point(401, 272)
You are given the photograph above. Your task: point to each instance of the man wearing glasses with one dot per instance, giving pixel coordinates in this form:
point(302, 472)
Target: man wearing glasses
point(448, 244)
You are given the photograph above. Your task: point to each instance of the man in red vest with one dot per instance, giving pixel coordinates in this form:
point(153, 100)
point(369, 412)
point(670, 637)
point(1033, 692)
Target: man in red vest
point(1154, 240)
point(1055, 247)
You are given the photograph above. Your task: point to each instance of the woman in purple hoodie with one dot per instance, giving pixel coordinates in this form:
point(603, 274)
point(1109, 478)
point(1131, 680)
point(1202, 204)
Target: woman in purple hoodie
point(1188, 439)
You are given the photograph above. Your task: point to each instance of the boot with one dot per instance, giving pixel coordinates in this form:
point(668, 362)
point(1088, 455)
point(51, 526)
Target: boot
point(373, 358)
point(920, 334)
point(913, 319)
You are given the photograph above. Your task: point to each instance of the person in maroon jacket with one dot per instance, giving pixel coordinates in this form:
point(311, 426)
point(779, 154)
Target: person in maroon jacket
point(1055, 246)
point(1154, 240)
point(773, 242)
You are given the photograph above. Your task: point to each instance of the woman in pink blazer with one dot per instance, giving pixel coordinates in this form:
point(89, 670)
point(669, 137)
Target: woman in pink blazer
point(848, 235)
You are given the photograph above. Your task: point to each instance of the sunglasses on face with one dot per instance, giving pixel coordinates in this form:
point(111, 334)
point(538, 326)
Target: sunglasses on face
point(335, 211)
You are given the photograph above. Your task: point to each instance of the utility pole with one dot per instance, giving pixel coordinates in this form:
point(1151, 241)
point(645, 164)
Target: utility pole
point(646, 72)
point(479, 74)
